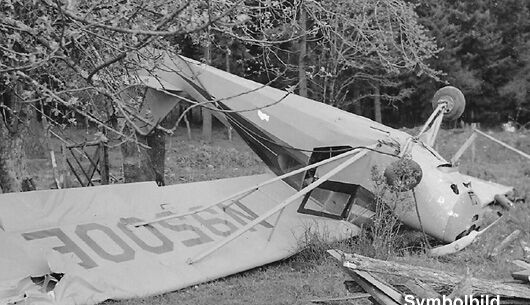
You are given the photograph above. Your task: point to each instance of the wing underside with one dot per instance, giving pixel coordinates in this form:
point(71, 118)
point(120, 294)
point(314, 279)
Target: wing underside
point(85, 238)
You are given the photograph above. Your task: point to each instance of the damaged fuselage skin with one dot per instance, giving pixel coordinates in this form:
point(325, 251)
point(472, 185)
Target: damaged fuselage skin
point(288, 132)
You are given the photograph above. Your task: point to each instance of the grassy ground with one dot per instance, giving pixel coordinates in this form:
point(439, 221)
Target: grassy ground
point(195, 160)
point(186, 161)
point(311, 274)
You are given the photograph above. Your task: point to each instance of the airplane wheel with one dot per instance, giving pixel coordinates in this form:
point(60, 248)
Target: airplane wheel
point(456, 102)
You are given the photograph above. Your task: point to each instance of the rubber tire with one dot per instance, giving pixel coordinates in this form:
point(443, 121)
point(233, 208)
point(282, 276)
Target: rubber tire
point(456, 101)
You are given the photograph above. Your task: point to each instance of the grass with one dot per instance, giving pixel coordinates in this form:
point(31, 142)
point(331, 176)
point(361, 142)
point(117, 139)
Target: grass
point(311, 274)
point(492, 161)
point(189, 161)
point(186, 161)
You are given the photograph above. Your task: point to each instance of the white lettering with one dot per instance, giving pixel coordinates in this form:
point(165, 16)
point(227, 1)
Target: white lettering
point(433, 302)
point(409, 299)
point(446, 300)
point(497, 299)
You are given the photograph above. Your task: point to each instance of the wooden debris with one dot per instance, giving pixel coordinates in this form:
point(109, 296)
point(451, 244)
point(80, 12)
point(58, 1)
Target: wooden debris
point(521, 264)
point(353, 287)
point(379, 291)
point(505, 243)
point(421, 290)
point(65, 171)
point(441, 281)
point(523, 275)
point(54, 169)
point(346, 298)
point(526, 249)
point(463, 288)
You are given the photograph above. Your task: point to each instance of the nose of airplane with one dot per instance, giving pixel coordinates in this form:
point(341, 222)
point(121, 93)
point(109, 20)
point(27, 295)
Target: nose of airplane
point(464, 217)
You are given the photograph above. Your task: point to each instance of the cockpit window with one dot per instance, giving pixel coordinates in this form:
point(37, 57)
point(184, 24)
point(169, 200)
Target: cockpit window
point(331, 199)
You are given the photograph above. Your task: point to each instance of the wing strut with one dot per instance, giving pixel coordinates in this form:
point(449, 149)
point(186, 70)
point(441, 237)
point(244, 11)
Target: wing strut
point(473, 136)
point(282, 205)
point(252, 189)
point(429, 130)
point(522, 153)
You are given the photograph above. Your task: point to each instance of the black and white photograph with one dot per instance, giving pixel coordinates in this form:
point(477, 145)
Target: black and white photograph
point(264, 152)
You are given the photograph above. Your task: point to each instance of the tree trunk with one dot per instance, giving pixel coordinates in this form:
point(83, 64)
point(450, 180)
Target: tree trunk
point(227, 59)
point(206, 113)
point(11, 154)
point(302, 48)
point(157, 154)
point(148, 164)
point(136, 161)
point(227, 67)
point(206, 124)
point(13, 175)
point(377, 104)
point(145, 164)
point(357, 104)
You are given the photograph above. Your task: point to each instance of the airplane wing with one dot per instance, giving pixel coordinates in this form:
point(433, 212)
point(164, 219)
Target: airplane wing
point(83, 240)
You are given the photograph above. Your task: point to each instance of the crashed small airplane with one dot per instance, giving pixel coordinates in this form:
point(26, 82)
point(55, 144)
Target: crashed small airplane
point(87, 245)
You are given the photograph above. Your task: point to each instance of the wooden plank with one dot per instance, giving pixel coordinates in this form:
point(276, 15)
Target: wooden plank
point(54, 169)
point(521, 264)
point(104, 163)
point(375, 288)
point(93, 164)
point(523, 275)
point(438, 279)
point(94, 169)
point(64, 167)
point(380, 292)
point(345, 298)
point(74, 171)
point(421, 290)
point(82, 169)
point(526, 249)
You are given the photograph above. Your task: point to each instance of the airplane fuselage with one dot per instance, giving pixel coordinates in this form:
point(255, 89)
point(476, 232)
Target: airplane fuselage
point(288, 131)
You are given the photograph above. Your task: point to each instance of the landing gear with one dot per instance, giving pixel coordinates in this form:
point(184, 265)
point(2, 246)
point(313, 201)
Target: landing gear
point(453, 98)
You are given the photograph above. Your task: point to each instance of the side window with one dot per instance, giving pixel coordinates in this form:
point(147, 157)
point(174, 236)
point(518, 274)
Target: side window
point(287, 164)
